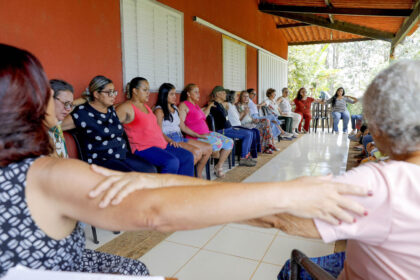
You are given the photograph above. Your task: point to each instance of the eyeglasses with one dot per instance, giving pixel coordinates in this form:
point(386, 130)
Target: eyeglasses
point(67, 105)
point(111, 93)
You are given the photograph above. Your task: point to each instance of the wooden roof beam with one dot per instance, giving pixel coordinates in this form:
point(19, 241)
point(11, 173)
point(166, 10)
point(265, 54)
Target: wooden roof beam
point(329, 5)
point(338, 25)
point(408, 24)
point(329, 41)
point(268, 7)
point(292, 25)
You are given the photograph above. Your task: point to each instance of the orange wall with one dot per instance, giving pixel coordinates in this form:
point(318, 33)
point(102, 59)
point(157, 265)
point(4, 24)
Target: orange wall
point(74, 40)
point(203, 46)
point(78, 39)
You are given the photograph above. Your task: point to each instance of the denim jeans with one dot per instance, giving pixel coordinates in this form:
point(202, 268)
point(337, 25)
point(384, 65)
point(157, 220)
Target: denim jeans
point(336, 118)
point(244, 134)
point(355, 118)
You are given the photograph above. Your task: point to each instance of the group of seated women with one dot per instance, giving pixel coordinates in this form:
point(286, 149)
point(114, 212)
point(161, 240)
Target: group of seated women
point(165, 138)
point(281, 108)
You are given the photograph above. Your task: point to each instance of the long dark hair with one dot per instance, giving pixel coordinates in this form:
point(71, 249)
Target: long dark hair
point(299, 95)
point(162, 100)
point(135, 82)
point(24, 95)
point(334, 99)
point(184, 93)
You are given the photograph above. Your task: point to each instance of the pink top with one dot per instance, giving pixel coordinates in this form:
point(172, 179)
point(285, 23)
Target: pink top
point(144, 132)
point(196, 119)
point(386, 243)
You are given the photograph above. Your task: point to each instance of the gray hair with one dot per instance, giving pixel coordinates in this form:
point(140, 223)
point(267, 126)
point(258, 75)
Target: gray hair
point(391, 104)
point(98, 83)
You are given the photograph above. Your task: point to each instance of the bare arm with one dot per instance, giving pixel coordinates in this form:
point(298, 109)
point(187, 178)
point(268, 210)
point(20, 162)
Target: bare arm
point(159, 117)
point(165, 207)
point(207, 109)
point(67, 123)
point(289, 224)
point(125, 112)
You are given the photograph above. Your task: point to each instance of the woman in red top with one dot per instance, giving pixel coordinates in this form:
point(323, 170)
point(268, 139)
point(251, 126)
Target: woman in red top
point(303, 108)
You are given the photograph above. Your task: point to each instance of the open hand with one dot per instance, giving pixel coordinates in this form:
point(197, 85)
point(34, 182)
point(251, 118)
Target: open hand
point(322, 198)
point(117, 185)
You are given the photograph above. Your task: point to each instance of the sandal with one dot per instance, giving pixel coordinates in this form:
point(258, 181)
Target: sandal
point(268, 151)
point(219, 172)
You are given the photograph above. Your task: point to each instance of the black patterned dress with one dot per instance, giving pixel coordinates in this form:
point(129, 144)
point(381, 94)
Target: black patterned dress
point(22, 242)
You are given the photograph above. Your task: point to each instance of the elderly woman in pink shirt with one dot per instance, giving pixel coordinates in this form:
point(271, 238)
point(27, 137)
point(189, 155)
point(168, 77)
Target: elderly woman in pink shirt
point(385, 244)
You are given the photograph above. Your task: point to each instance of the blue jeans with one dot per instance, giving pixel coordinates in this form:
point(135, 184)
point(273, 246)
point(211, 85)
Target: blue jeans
point(336, 118)
point(169, 160)
point(354, 118)
point(256, 141)
point(244, 135)
point(130, 163)
point(177, 137)
point(366, 140)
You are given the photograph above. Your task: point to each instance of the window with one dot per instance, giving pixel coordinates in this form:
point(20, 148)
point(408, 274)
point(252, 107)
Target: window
point(272, 73)
point(234, 64)
point(152, 36)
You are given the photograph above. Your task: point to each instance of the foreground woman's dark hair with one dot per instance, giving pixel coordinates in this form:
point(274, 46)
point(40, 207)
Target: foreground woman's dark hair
point(22, 132)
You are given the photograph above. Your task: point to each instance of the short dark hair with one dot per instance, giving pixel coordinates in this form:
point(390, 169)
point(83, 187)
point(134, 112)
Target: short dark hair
point(24, 93)
point(270, 91)
point(60, 85)
point(250, 90)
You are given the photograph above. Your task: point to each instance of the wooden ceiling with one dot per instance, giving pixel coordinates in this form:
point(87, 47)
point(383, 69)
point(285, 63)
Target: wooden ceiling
point(322, 21)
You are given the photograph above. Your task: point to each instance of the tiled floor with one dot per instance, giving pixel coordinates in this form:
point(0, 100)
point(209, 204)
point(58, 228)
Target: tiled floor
point(236, 251)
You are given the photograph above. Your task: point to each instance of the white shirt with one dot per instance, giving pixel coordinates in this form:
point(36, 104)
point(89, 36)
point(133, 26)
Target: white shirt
point(272, 104)
point(285, 106)
point(252, 108)
point(233, 115)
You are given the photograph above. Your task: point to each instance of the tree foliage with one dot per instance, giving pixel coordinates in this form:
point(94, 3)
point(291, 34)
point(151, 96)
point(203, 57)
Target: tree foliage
point(325, 67)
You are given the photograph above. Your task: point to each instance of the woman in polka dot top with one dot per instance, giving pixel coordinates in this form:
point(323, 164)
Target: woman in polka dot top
point(100, 131)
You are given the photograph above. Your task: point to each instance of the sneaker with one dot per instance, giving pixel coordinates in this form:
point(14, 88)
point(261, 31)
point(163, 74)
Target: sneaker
point(253, 160)
point(353, 132)
point(246, 162)
point(295, 134)
point(285, 138)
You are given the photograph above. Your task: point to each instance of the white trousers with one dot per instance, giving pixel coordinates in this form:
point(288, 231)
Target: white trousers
point(296, 119)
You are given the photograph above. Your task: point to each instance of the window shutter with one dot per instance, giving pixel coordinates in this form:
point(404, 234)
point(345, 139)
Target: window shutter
point(234, 64)
point(272, 73)
point(155, 33)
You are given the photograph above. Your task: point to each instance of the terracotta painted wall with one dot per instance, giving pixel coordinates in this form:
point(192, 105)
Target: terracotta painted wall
point(203, 46)
point(78, 39)
point(74, 39)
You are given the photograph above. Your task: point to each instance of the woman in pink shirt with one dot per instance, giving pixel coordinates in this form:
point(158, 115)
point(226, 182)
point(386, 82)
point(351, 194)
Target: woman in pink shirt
point(384, 244)
point(195, 119)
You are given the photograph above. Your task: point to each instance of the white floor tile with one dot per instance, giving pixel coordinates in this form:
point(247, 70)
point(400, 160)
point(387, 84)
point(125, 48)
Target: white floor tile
point(241, 243)
point(196, 238)
point(282, 247)
point(214, 266)
point(167, 258)
point(266, 272)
